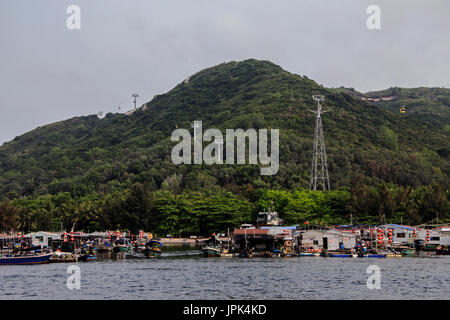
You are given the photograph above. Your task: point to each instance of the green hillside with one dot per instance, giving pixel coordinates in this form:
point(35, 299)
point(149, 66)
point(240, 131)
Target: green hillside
point(429, 104)
point(117, 171)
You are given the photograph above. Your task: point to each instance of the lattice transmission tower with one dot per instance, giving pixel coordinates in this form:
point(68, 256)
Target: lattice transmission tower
point(319, 169)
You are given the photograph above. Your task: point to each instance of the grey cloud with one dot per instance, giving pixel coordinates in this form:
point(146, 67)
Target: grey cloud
point(49, 73)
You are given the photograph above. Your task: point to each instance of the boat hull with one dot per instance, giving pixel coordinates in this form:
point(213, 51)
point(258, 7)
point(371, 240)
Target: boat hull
point(63, 258)
point(373, 256)
point(211, 252)
point(25, 260)
point(87, 258)
point(152, 252)
point(226, 255)
point(342, 256)
point(409, 253)
point(309, 254)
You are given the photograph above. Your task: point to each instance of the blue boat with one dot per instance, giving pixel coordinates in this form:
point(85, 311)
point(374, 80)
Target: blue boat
point(153, 248)
point(338, 255)
point(373, 256)
point(26, 259)
point(87, 257)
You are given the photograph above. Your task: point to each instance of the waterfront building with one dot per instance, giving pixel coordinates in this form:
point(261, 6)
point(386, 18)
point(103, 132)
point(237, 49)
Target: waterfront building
point(325, 239)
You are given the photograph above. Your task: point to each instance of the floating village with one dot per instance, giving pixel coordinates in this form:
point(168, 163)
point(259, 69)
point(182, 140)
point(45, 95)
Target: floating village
point(269, 238)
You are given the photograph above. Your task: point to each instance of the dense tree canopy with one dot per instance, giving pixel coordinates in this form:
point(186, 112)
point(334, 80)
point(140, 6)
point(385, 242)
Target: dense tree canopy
point(116, 172)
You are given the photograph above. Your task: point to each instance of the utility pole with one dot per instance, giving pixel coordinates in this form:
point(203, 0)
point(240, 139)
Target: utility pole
point(319, 169)
point(134, 96)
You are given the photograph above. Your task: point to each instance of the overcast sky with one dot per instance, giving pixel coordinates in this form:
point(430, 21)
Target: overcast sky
point(50, 73)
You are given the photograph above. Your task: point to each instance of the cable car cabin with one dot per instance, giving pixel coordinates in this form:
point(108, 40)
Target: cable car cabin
point(403, 109)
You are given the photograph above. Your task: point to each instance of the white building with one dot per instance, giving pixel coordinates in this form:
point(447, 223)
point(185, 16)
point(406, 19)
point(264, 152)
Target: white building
point(326, 239)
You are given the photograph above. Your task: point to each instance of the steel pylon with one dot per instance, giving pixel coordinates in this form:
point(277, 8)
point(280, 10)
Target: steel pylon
point(319, 170)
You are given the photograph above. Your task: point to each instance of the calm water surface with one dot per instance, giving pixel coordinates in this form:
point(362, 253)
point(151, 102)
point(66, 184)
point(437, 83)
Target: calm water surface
point(186, 275)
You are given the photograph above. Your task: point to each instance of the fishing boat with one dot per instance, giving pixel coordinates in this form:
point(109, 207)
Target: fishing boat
point(210, 251)
point(25, 259)
point(153, 248)
point(226, 255)
point(342, 255)
point(268, 218)
point(309, 254)
point(372, 255)
point(87, 257)
point(135, 255)
point(408, 252)
point(216, 247)
point(122, 245)
point(63, 257)
point(443, 250)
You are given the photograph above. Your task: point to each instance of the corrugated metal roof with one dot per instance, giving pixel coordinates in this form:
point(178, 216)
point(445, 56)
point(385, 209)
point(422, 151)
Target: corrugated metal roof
point(250, 231)
point(400, 226)
point(280, 227)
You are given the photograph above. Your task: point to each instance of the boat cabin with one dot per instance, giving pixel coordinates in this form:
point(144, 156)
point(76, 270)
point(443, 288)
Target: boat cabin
point(268, 218)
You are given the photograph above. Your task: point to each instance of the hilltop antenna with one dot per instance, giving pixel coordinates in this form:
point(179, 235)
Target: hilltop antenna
point(134, 96)
point(319, 169)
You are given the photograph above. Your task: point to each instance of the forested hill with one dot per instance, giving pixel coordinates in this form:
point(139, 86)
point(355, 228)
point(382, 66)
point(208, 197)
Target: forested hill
point(87, 156)
point(428, 104)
